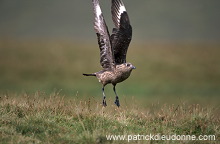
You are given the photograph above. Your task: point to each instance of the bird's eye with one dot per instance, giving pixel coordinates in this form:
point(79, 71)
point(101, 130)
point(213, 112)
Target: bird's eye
point(127, 65)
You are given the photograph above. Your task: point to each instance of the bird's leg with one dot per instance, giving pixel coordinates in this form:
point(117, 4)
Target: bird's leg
point(116, 97)
point(103, 94)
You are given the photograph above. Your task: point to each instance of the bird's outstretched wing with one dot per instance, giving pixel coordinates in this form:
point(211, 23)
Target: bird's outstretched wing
point(122, 34)
point(106, 55)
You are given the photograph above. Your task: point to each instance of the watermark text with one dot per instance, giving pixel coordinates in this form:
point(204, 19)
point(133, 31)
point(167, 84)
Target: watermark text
point(149, 137)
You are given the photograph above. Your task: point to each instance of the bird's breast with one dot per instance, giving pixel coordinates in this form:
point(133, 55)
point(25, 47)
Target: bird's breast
point(121, 76)
point(113, 77)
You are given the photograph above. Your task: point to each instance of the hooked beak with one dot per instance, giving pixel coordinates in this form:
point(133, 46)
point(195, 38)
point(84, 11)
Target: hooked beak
point(133, 67)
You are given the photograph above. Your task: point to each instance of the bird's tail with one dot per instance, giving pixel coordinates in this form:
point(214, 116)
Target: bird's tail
point(89, 74)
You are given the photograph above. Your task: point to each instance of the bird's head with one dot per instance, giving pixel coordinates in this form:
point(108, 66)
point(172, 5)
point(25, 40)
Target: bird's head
point(125, 67)
point(129, 66)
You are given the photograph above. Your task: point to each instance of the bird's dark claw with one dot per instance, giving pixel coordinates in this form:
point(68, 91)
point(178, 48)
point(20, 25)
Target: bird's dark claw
point(104, 103)
point(117, 101)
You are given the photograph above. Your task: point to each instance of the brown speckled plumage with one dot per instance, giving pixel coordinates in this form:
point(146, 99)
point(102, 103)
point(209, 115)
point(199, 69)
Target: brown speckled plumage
point(113, 49)
point(116, 75)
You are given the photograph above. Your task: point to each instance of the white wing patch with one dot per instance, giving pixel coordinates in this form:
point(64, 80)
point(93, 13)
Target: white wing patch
point(98, 18)
point(118, 9)
point(98, 13)
point(121, 9)
point(98, 10)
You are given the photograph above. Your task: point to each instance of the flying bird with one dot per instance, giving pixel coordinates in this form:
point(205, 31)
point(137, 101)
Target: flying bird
point(113, 49)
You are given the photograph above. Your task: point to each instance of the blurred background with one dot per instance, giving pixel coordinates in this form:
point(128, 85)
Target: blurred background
point(47, 45)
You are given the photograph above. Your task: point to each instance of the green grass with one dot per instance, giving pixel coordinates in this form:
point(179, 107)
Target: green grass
point(53, 118)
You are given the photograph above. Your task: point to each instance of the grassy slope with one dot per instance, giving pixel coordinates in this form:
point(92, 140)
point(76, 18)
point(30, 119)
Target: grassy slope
point(56, 119)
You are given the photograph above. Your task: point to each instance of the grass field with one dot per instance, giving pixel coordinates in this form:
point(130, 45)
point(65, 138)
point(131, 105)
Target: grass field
point(45, 98)
point(40, 118)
